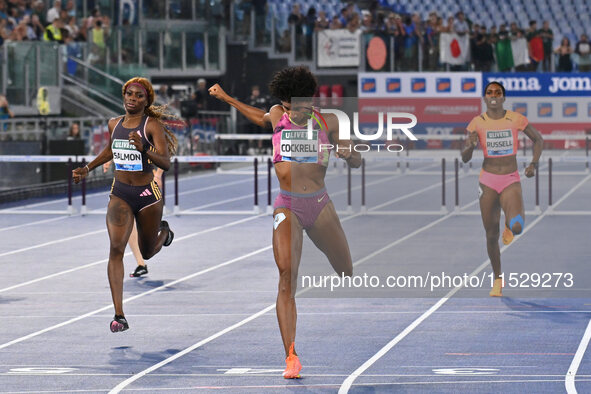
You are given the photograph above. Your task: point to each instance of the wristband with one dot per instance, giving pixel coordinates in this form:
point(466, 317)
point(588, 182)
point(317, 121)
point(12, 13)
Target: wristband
point(87, 169)
point(535, 163)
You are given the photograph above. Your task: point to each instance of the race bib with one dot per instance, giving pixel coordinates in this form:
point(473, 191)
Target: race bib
point(296, 146)
point(126, 157)
point(499, 143)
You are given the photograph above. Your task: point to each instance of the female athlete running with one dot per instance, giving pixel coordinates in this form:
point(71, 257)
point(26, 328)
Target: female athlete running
point(500, 188)
point(302, 203)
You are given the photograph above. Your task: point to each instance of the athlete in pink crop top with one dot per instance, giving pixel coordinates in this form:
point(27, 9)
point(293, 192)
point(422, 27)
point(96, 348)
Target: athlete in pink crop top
point(497, 131)
point(291, 142)
point(302, 204)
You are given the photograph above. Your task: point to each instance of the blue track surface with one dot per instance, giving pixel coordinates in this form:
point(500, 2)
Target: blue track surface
point(204, 320)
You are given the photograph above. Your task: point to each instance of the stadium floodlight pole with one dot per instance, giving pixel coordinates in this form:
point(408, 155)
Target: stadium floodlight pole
point(176, 208)
point(83, 207)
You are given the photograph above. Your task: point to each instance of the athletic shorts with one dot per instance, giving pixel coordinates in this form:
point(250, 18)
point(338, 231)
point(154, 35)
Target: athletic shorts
point(498, 182)
point(137, 197)
point(306, 207)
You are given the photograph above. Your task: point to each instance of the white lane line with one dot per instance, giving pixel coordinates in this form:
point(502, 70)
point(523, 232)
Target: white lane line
point(166, 361)
point(34, 223)
point(346, 385)
point(110, 306)
point(57, 241)
point(128, 253)
point(569, 381)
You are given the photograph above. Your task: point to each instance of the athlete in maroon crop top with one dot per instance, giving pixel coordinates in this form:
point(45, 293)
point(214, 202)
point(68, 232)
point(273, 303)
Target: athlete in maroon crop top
point(138, 140)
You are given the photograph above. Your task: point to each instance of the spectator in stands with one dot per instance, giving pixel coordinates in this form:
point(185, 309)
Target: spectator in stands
point(431, 47)
point(399, 33)
point(565, 63)
point(39, 10)
point(536, 45)
point(367, 25)
point(71, 8)
point(503, 49)
point(53, 31)
point(162, 96)
point(474, 55)
point(5, 111)
point(72, 28)
point(74, 132)
point(54, 12)
point(310, 23)
point(354, 23)
point(513, 30)
point(37, 28)
point(99, 33)
point(297, 19)
point(322, 21)
point(583, 49)
point(449, 28)
point(485, 50)
point(201, 94)
point(411, 39)
point(460, 25)
point(520, 52)
point(257, 100)
point(335, 23)
point(345, 15)
point(547, 38)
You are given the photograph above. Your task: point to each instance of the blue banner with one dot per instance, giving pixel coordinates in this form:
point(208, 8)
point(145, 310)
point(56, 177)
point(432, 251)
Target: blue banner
point(541, 84)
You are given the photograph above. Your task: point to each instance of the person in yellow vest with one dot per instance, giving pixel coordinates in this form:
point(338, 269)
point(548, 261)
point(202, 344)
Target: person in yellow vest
point(53, 32)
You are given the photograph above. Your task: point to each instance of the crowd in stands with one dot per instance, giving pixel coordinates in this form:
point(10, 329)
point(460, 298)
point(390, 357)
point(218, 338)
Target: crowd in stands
point(29, 20)
point(490, 47)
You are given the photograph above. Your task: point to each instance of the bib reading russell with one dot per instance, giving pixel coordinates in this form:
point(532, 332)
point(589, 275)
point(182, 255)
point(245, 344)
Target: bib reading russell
point(498, 137)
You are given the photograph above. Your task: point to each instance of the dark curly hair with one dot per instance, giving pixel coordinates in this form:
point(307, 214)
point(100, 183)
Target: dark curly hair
point(293, 82)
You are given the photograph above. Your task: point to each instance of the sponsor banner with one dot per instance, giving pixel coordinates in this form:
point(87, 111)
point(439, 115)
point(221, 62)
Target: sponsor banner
point(426, 110)
point(550, 109)
point(338, 48)
point(410, 85)
point(541, 84)
point(563, 129)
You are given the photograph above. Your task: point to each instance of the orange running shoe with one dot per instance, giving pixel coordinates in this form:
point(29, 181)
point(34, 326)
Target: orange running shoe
point(507, 236)
point(293, 365)
point(497, 290)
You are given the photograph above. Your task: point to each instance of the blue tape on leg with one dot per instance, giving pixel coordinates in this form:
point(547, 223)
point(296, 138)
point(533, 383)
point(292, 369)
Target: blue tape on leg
point(517, 219)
